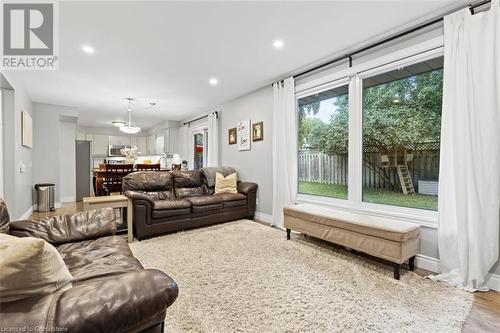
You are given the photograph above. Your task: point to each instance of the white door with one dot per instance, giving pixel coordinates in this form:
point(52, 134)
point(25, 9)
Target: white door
point(199, 148)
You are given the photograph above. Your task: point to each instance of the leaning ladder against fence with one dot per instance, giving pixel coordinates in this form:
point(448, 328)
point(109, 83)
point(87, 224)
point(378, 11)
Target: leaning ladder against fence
point(405, 179)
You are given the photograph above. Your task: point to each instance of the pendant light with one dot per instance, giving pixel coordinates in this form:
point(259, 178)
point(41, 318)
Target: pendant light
point(130, 127)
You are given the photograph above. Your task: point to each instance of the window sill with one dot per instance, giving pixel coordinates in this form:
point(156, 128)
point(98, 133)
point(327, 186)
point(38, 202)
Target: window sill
point(422, 217)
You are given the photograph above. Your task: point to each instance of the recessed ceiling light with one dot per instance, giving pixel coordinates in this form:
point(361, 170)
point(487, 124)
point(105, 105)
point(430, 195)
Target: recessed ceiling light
point(213, 81)
point(88, 49)
point(278, 44)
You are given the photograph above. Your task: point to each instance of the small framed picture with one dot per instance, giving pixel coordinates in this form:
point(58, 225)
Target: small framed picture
point(232, 136)
point(258, 131)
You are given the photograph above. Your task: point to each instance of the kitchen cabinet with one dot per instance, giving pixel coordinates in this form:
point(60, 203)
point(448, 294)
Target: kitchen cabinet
point(141, 143)
point(172, 140)
point(101, 143)
point(150, 144)
point(120, 140)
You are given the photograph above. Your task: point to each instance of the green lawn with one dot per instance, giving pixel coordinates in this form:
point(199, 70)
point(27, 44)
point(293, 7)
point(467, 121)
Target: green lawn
point(372, 195)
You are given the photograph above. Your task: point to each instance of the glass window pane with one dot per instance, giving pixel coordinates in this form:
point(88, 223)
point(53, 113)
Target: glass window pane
point(323, 131)
point(198, 151)
point(401, 135)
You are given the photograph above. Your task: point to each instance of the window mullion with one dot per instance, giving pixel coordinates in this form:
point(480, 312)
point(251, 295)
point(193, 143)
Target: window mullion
point(355, 141)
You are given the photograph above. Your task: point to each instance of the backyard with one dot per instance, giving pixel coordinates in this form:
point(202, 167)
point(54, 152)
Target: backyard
point(371, 195)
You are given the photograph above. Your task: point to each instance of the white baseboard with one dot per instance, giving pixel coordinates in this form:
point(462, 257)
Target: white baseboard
point(432, 264)
point(494, 281)
point(27, 214)
point(427, 263)
point(264, 217)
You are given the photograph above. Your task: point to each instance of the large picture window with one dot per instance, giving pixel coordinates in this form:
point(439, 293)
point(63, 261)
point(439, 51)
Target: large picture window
point(401, 133)
point(323, 143)
point(378, 152)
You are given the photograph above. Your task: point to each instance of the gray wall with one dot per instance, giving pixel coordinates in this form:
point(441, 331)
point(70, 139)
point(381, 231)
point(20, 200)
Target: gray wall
point(55, 147)
point(255, 165)
point(17, 186)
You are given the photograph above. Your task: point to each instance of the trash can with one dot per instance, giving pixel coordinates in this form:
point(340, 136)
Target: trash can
point(45, 197)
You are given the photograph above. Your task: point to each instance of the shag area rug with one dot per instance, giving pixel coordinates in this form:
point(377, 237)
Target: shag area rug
point(246, 277)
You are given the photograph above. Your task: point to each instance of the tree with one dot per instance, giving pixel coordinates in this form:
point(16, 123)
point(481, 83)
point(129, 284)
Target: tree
point(396, 115)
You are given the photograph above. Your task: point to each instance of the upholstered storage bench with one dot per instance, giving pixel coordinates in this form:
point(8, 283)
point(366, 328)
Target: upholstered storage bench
point(393, 240)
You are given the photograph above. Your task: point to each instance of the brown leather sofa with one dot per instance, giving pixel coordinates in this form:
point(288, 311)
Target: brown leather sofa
point(111, 291)
point(165, 202)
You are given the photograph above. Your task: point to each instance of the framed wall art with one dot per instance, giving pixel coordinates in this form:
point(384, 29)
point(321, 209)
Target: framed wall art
point(243, 135)
point(231, 136)
point(258, 131)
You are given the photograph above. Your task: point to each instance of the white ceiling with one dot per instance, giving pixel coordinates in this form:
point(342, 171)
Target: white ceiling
point(167, 51)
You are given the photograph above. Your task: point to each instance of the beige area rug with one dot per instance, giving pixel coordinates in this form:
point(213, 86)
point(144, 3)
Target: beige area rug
point(246, 277)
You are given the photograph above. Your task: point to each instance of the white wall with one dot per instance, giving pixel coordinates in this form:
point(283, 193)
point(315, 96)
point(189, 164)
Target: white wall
point(256, 164)
point(67, 160)
point(54, 154)
point(17, 184)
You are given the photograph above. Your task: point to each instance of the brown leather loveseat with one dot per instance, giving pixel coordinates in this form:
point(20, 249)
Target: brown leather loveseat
point(111, 291)
point(165, 202)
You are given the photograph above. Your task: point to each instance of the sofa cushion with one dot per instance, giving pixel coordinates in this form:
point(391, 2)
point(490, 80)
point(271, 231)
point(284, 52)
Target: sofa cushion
point(190, 178)
point(209, 173)
point(148, 181)
point(60, 229)
point(232, 199)
point(206, 208)
point(30, 267)
point(184, 192)
point(97, 258)
point(171, 204)
point(165, 208)
point(393, 230)
point(226, 184)
point(206, 200)
point(4, 217)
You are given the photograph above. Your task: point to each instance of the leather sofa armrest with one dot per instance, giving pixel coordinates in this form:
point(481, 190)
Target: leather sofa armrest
point(118, 304)
point(247, 187)
point(136, 195)
point(68, 228)
point(123, 303)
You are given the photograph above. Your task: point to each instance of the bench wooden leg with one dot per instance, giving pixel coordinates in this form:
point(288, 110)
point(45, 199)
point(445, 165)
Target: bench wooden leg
point(397, 269)
point(288, 233)
point(411, 263)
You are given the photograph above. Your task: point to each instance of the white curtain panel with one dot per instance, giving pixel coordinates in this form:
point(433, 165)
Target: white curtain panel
point(284, 149)
point(213, 140)
point(469, 177)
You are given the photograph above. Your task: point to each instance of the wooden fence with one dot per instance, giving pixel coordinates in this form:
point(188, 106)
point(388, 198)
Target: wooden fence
point(332, 169)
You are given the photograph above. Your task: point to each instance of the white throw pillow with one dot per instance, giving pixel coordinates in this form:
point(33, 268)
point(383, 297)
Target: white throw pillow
point(226, 184)
point(29, 267)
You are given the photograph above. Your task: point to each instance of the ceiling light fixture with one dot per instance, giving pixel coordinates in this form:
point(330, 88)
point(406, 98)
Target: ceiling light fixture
point(118, 123)
point(130, 127)
point(213, 81)
point(278, 44)
point(88, 49)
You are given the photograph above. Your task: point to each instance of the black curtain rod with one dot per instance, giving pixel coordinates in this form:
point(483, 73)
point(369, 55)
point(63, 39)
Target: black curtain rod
point(200, 118)
point(386, 40)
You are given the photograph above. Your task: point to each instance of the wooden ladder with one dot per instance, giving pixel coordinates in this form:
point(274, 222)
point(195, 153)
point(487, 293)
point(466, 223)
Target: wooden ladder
point(405, 179)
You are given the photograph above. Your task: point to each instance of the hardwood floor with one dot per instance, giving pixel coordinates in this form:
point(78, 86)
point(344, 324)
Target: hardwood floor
point(484, 317)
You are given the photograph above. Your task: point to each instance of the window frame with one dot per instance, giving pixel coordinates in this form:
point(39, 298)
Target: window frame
point(432, 48)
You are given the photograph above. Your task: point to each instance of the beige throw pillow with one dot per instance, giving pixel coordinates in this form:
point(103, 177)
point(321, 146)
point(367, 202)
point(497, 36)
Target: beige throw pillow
point(29, 267)
point(226, 184)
